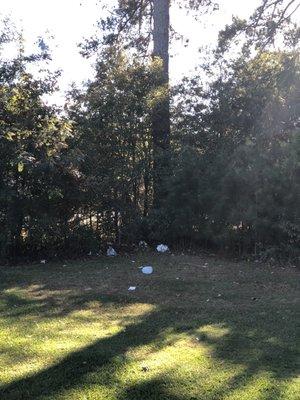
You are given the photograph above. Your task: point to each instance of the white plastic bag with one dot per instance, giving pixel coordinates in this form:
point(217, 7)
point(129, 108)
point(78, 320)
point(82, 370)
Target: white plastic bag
point(111, 252)
point(162, 248)
point(132, 288)
point(147, 270)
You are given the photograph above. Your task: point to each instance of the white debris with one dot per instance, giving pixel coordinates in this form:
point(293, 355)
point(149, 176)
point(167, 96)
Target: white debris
point(143, 244)
point(111, 252)
point(162, 248)
point(147, 269)
point(132, 288)
point(43, 261)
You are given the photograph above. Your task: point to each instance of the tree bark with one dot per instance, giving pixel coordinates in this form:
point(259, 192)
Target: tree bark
point(161, 109)
point(161, 29)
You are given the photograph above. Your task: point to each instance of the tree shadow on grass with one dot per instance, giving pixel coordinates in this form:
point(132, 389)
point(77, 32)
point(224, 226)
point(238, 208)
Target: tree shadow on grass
point(72, 371)
point(259, 336)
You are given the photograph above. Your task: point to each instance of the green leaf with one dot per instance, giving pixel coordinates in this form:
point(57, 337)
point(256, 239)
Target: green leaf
point(20, 167)
point(10, 136)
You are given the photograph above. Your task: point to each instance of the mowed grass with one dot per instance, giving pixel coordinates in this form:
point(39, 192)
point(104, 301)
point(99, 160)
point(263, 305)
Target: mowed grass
point(198, 328)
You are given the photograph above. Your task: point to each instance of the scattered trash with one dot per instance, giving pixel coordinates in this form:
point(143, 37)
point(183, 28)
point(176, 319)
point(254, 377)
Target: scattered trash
point(177, 279)
point(133, 261)
point(111, 252)
point(219, 295)
point(43, 261)
point(147, 270)
point(90, 253)
point(162, 248)
point(143, 244)
point(64, 265)
point(132, 288)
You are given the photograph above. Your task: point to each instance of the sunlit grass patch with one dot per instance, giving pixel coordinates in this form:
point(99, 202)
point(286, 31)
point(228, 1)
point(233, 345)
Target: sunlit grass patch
point(214, 331)
point(185, 333)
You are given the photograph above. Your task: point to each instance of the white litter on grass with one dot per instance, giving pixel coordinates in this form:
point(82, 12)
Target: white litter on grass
point(43, 261)
point(162, 248)
point(132, 288)
point(147, 269)
point(142, 243)
point(111, 252)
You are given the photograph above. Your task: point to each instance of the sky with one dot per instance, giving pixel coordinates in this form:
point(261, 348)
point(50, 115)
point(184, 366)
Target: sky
point(69, 21)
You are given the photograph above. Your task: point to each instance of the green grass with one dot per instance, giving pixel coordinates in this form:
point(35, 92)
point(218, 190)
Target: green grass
point(198, 328)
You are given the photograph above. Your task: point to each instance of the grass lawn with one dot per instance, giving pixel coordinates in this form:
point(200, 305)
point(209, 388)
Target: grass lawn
point(198, 328)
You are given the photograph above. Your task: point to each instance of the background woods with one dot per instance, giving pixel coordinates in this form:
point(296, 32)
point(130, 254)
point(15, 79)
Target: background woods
point(212, 161)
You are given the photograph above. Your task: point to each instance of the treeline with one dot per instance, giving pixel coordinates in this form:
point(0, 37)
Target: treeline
point(73, 181)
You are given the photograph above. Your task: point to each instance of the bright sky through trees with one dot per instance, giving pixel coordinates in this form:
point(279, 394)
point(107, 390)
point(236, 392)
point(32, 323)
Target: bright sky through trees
point(71, 20)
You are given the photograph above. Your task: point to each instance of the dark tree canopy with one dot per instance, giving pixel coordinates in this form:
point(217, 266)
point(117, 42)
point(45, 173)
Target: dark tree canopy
point(212, 162)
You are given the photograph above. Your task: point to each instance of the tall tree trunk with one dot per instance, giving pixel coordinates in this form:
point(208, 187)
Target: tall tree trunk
point(161, 110)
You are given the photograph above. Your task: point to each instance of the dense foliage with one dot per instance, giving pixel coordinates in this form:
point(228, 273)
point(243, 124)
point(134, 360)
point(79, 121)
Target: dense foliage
point(36, 181)
point(72, 182)
point(244, 146)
